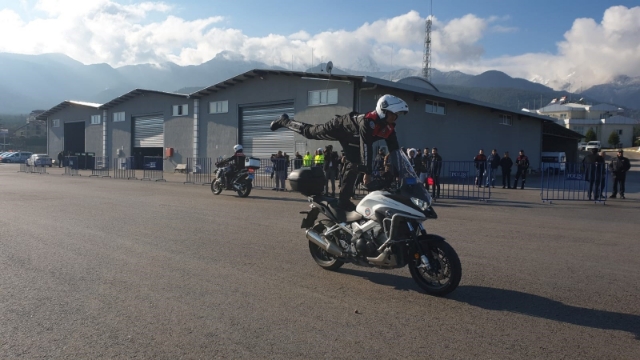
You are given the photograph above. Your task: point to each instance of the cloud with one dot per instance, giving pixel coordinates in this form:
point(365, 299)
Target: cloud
point(591, 53)
point(123, 33)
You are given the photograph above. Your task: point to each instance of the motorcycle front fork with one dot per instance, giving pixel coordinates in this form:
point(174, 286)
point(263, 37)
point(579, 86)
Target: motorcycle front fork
point(425, 258)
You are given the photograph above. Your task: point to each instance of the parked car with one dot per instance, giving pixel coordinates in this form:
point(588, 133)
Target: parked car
point(5, 154)
point(40, 160)
point(593, 145)
point(17, 157)
point(582, 146)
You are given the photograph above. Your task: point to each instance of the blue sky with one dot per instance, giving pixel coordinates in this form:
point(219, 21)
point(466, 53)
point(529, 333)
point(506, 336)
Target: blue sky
point(553, 42)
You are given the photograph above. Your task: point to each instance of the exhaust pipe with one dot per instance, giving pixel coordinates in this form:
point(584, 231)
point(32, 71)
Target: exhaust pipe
point(323, 243)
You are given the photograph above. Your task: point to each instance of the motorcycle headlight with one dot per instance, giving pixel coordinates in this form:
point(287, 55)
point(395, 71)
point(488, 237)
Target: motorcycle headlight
point(423, 205)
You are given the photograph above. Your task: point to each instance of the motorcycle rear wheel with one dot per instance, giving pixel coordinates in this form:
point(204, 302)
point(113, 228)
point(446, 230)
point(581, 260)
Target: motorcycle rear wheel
point(245, 189)
point(321, 257)
point(445, 274)
point(216, 187)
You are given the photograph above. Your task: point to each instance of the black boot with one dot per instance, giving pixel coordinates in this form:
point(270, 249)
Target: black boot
point(293, 125)
point(522, 186)
point(515, 184)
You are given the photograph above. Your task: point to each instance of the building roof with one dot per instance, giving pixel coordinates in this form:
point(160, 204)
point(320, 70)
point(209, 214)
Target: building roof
point(554, 108)
point(261, 73)
point(613, 120)
point(605, 107)
point(400, 85)
point(137, 92)
point(64, 104)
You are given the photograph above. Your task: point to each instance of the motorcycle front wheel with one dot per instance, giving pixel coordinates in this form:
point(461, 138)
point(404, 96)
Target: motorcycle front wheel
point(320, 255)
point(444, 273)
point(216, 187)
point(245, 189)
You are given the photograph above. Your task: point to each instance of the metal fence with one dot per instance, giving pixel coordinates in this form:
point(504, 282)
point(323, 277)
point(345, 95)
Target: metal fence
point(24, 168)
point(71, 166)
point(124, 168)
point(38, 169)
point(574, 181)
point(152, 168)
point(199, 171)
point(101, 167)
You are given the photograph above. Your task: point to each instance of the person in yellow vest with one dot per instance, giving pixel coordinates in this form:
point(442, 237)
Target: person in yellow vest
point(307, 160)
point(319, 158)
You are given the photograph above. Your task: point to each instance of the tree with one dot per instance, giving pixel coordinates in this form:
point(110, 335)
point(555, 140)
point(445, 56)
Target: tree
point(590, 136)
point(614, 139)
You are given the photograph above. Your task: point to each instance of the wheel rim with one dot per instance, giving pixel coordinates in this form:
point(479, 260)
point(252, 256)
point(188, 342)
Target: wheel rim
point(439, 276)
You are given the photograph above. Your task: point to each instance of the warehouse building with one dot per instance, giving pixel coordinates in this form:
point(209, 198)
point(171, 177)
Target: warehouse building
point(209, 122)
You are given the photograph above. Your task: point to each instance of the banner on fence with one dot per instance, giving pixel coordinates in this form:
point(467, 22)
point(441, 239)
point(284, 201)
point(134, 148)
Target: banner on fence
point(152, 168)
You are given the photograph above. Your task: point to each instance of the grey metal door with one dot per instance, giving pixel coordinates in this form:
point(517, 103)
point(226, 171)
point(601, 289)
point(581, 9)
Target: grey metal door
point(257, 139)
point(148, 131)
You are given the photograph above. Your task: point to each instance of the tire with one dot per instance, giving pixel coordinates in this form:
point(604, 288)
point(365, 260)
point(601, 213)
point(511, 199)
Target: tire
point(246, 190)
point(321, 257)
point(216, 187)
point(448, 266)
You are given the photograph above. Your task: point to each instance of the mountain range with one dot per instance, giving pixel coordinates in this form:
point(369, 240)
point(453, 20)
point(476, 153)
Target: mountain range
point(29, 82)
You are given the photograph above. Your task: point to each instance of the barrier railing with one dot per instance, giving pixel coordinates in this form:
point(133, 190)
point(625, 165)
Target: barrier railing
point(124, 168)
point(152, 168)
point(199, 171)
point(71, 166)
point(39, 170)
point(453, 180)
point(101, 167)
point(24, 168)
point(574, 181)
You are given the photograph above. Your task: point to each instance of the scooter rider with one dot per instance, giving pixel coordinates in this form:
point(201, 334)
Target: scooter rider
point(235, 162)
point(356, 134)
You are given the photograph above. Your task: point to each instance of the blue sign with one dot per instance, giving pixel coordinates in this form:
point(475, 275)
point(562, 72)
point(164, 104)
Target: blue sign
point(572, 177)
point(152, 163)
point(459, 174)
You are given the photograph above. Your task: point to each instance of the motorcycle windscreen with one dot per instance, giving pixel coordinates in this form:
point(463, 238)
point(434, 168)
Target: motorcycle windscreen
point(403, 170)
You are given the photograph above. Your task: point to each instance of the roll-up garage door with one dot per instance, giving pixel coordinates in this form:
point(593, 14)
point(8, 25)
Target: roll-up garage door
point(257, 139)
point(148, 131)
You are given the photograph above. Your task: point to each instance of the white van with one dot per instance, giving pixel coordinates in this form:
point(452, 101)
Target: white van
point(553, 161)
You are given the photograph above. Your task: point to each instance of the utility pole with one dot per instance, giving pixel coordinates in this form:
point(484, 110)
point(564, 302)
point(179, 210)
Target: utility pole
point(426, 59)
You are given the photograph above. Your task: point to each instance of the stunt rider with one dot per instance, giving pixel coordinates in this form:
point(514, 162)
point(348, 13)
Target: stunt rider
point(235, 162)
point(356, 133)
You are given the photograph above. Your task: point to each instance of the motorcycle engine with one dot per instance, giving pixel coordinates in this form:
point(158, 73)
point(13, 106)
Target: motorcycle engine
point(368, 243)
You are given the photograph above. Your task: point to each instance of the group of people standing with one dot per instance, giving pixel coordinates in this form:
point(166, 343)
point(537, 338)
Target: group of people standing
point(426, 164)
point(488, 168)
point(595, 170)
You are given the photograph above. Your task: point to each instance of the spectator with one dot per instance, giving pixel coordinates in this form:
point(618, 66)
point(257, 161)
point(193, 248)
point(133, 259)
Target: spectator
point(506, 164)
point(522, 161)
point(331, 161)
point(412, 155)
point(280, 169)
point(378, 163)
point(594, 168)
point(417, 160)
point(318, 160)
point(288, 162)
point(480, 162)
point(424, 175)
point(619, 167)
point(60, 158)
point(297, 161)
point(307, 161)
point(603, 182)
point(494, 163)
point(435, 166)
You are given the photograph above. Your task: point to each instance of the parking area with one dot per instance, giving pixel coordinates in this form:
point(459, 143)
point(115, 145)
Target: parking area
point(95, 268)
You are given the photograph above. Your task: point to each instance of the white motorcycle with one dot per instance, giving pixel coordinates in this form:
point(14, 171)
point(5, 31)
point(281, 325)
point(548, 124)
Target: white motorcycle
point(385, 231)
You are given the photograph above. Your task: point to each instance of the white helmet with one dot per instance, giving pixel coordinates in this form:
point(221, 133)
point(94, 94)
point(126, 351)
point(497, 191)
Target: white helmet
point(237, 148)
point(392, 104)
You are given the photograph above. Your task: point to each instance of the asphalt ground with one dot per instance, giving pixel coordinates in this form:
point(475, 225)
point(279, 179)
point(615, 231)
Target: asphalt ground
point(104, 268)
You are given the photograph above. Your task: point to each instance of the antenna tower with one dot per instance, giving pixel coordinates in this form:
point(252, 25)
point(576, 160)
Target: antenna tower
point(426, 59)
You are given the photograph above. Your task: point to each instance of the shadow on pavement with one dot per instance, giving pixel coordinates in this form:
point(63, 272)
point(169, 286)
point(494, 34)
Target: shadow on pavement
point(386, 279)
point(537, 306)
